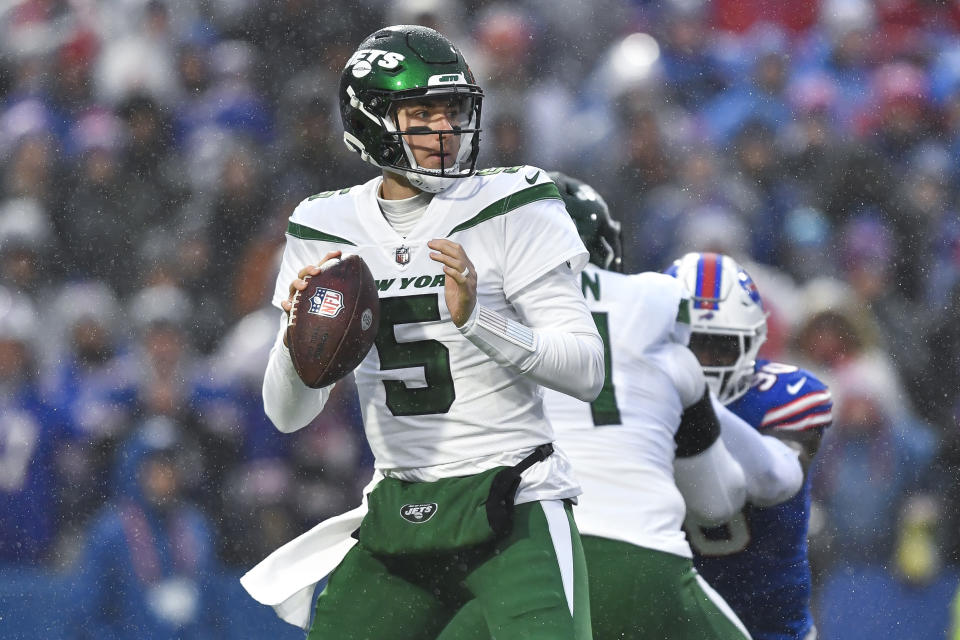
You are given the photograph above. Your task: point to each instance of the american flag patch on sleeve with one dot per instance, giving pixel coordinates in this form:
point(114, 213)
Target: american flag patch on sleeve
point(507, 329)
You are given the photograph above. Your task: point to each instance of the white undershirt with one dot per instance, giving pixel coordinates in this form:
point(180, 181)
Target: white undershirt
point(403, 215)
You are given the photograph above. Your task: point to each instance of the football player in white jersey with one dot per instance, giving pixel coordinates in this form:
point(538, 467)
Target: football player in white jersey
point(648, 444)
point(480, 306)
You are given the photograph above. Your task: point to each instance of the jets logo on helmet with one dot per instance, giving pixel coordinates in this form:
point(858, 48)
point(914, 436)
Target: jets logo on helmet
point(598, 230)
point(409, 63)
point(728, 321)
point(361, 62)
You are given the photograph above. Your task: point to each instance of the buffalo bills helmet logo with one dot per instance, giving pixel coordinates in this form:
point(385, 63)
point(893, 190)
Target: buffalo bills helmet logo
point(748, 285)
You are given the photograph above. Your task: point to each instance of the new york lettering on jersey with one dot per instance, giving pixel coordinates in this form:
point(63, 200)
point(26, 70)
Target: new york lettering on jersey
point(758, 561)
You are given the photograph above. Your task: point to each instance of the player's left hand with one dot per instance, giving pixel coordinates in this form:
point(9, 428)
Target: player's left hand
point(460, 283)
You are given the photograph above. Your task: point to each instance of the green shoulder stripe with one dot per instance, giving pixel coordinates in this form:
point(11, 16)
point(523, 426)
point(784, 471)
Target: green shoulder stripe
point(327, 194)
point(495, 170)
point(683, 312)
point(545, 191)
point(306, 233)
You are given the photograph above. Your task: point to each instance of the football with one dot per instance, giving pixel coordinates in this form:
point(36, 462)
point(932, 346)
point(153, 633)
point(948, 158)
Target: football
point(333, 322)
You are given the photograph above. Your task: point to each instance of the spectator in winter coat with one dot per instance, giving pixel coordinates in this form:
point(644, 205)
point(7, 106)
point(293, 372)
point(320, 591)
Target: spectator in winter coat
point(145, 569)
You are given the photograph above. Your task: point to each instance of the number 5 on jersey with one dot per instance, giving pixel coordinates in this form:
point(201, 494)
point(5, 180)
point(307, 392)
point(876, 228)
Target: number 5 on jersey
point(433, 356)
point(438, 395)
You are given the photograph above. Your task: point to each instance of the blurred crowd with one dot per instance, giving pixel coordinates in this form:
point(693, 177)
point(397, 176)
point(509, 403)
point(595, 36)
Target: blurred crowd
point(152, 150)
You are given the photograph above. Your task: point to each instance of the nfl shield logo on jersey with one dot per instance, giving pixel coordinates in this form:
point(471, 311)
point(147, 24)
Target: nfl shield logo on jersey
point(402, 255)
point(326, 302)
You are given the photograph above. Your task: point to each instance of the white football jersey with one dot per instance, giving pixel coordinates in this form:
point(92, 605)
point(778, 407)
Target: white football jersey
point(428, 395)
point(622, 444)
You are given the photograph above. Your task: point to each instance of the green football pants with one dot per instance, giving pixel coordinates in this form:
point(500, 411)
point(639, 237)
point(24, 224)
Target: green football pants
point(531, 585)
point(638, 593)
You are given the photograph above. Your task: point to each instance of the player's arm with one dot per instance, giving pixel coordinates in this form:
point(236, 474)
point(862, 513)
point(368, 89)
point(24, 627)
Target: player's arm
point(557, 344)
point(772, 469)
point(799, 421)
point(709, 478)
point(287, 401)
point(805, 443)
point(567, 353)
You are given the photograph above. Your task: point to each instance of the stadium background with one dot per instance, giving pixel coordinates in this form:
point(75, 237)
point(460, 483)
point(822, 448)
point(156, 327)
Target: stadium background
point(150, 153)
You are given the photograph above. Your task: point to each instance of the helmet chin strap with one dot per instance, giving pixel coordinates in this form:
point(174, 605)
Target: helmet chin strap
point(425, 182)
point(430, 184)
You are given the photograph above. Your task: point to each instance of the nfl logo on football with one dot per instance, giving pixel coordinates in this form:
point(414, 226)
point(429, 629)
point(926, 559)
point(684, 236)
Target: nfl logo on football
point(326, 302)
point(403, 255)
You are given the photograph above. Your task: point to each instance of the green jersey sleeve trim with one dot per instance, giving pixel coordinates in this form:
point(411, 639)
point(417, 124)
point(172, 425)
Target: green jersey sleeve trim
point(327, 194)
point(306, 233)
point(683, 312)
point(545, 191)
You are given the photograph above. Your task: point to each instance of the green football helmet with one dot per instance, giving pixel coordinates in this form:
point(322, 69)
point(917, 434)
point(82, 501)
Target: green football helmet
point(599, 232)
point(408, 62)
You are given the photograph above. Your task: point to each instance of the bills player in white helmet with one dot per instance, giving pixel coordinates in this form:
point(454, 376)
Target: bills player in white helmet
point(732, 332)
point(758, 560)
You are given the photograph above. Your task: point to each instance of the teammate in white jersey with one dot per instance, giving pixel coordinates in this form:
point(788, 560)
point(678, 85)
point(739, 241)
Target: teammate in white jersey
point(649, 442)
point(480, 306)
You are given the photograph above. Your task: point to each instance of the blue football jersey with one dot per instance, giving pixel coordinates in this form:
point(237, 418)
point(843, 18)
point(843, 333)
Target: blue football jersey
point(30, 431)
point(758, 561)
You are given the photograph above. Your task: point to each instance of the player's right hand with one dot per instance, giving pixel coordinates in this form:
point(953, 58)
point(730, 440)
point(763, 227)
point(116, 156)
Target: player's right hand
point(300, 284)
